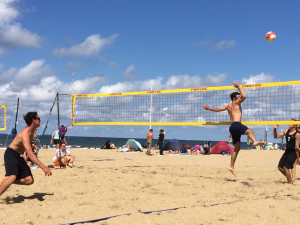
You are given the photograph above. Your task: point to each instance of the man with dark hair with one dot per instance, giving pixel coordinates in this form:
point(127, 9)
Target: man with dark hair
point(149, 138)
point(236, 128)
point(161, 138)
point(17, 170)
point(290, 158)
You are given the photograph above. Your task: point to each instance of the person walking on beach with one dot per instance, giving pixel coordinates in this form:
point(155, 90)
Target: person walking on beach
point(149, 138)
point(55, 138)
point(161, 138)
point(291, 153)
point(17, 170)
point(236, 128)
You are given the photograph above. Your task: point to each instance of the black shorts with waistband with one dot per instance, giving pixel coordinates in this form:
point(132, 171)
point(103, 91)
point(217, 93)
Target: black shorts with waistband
point(237, 129)
point(15, 164)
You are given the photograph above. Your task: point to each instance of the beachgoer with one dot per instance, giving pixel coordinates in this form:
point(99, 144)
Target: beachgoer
point(187, 146)
point(149, 138)
point(108, 145)
point(236, 128)
point(161, 138)
point(17, 170)
point(35, 138)
point(55, 138)
point(66, 158)
point(295, 163)
point(291, 153)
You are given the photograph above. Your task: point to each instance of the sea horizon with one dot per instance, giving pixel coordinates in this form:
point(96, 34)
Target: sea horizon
point(97, 142)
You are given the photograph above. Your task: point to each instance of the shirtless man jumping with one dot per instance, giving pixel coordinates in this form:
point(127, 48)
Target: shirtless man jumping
point(17, 170)
point(236, 129)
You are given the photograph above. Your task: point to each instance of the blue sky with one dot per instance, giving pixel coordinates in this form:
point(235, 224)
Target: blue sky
point(121, 46)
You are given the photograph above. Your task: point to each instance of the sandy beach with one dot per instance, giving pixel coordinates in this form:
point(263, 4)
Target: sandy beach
point(107, 183)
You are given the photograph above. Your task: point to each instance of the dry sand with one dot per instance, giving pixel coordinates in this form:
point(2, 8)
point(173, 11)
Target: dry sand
point(106, 183)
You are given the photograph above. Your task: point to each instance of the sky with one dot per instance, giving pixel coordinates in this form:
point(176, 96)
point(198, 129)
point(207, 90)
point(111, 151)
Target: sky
point(123, 46)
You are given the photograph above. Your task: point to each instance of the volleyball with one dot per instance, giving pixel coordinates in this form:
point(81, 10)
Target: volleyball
point(270, 36)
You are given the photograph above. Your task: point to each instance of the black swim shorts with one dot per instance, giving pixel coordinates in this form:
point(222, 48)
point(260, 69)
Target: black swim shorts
point(237, 129)
point(56, 141)
point(287, 160)
point(15, 164)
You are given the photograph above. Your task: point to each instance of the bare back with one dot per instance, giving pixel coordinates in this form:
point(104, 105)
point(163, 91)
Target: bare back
point(235, 112)
point(18, 142)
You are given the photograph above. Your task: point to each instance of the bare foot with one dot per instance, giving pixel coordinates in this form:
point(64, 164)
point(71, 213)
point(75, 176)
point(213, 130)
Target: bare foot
point(293, 180)
point(232, 171)
point(258, 143)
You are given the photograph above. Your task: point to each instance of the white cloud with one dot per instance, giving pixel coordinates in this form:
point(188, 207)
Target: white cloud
point(185, 81)
point(7, 12)
point(92, 45)
point(112, 64)
point(173, 82)
point(35, 82)
point(204, 42)
point(130, 72)
point(223, 44)
point(12, 35)
point(258, 79)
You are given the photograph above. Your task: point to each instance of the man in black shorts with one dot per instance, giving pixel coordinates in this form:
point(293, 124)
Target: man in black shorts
point(17, 170)
point(236, 128)
point(291, 154)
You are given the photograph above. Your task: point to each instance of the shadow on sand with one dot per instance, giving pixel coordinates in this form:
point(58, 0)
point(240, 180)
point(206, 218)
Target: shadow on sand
point(21, 198)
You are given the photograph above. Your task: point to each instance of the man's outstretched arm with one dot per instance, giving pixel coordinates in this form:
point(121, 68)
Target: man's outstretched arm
point(281, 134)
point(217, 109)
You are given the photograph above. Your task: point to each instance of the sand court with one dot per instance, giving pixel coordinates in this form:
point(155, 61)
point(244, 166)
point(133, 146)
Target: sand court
point(105, 183)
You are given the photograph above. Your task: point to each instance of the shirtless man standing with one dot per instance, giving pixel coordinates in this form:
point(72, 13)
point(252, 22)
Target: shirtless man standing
point(149, 138)
point(17, 170)
point(236, 129)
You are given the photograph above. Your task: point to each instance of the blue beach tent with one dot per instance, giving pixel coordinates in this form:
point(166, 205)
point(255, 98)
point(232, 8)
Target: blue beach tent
point(175, 145)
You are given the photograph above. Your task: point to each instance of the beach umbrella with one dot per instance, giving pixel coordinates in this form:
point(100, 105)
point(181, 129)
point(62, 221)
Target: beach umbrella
point(198, 147)
point(175, 145)
point(221, 146)
point(134, 144)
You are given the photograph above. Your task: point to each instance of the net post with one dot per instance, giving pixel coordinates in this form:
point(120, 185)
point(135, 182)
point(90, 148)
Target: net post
point(58, 121)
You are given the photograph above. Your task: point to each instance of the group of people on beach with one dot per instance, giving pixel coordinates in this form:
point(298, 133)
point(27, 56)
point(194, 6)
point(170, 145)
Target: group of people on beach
point(18, 171)
point(160, 143)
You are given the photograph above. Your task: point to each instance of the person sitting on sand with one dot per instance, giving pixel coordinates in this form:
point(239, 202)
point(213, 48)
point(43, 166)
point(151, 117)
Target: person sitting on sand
point(65, 157)
point(108, 145)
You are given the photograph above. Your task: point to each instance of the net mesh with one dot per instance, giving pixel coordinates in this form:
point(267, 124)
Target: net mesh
point(2, 117)
point(265, 103)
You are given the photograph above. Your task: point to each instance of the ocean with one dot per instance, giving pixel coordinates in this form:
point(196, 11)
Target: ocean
point(97, 142)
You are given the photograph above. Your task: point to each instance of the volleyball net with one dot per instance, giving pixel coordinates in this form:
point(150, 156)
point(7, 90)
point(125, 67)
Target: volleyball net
point(2, 117)
point(266, 104)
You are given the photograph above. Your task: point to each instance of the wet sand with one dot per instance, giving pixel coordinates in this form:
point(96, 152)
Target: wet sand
point(106, 183)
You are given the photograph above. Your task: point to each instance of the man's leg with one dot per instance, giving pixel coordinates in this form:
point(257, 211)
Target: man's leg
point(233, 157)
point(288, 175)
point(282, 170)
point(25, 181)
point(6, 182)
point(251, 135)
point(294, 171)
